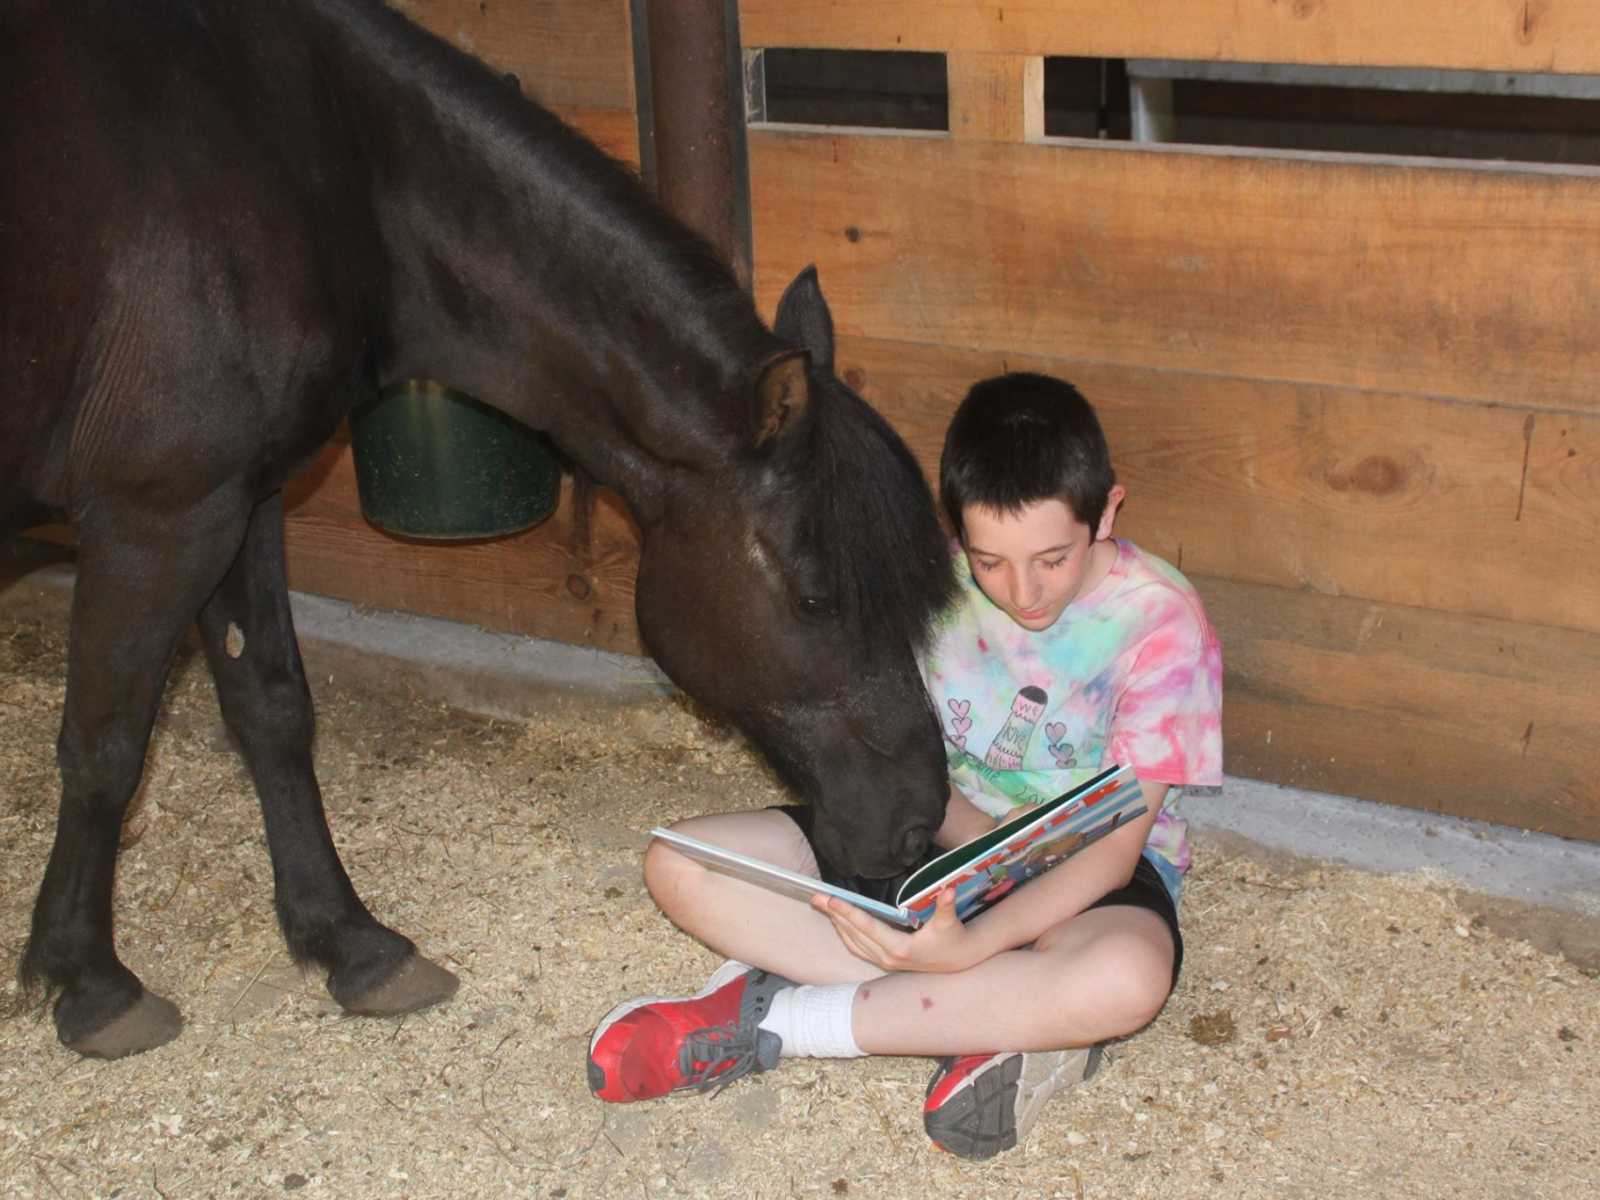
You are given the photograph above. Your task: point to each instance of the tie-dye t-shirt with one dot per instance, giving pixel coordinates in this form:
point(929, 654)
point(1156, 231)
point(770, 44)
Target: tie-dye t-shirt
point(1130, 673)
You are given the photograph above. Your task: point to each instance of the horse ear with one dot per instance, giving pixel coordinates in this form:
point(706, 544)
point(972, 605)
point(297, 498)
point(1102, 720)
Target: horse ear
point(782, 396)
point(804, 320)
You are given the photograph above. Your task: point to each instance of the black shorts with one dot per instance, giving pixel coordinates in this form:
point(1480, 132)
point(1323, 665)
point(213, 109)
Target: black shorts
point(1144, 890)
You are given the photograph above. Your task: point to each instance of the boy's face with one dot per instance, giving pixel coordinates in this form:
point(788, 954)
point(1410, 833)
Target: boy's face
point(1034, 563)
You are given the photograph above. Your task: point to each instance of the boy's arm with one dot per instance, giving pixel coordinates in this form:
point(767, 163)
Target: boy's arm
point(945, 944)
point(1070, 888)
point(963, 821)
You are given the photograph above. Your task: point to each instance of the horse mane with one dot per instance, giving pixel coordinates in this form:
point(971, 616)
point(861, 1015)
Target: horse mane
point(476, 96)
point(873, 521)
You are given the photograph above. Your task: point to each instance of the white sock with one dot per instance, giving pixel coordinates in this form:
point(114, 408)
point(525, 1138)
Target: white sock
point(814, 1021)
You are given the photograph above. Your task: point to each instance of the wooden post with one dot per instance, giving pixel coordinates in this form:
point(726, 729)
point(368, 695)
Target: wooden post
point(996, 97)
point(696, 120)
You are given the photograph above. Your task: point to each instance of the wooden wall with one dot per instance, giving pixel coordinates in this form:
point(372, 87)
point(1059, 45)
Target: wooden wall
point(1352, 398)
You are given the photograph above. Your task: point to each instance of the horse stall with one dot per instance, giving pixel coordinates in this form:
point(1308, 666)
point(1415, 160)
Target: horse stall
point(1342, 370)
point(1349, 395)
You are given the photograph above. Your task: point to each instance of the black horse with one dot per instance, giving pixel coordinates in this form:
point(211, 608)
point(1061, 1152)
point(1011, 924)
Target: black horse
point(217, 217)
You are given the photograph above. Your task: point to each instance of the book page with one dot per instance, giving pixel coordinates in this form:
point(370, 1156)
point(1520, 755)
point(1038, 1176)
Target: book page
point(776, 879)
point(988, 868)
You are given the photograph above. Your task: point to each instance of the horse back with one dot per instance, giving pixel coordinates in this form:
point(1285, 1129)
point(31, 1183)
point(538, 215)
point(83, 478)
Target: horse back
point(182, 267)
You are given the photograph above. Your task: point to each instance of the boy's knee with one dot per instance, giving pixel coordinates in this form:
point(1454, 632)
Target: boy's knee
point(1139, 983)
point(1146, 998)
point(666, 874)
point(1120, 982)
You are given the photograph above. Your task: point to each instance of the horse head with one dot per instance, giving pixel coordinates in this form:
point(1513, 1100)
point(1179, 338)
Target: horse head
point(790, 587)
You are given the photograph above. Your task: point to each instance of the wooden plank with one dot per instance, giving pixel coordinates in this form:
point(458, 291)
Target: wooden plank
point(533, 583)
point(1482, 35)
point(614, 130)
point(1488, 720)
point(1470, 281)
point(996, 97)
point(576, 53)
point(1398, 499)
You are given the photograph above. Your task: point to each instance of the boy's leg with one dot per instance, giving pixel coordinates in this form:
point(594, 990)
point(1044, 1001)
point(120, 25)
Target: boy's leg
point(978, 1105)
point(741, 920)
point(650, 1046)
point(1103, 974)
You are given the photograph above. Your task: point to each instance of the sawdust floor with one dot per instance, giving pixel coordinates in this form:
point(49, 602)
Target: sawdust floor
point(1335, 1034)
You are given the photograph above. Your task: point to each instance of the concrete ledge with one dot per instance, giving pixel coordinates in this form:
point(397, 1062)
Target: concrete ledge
point(504, 675)
point(1497, 860)
point(495, 674)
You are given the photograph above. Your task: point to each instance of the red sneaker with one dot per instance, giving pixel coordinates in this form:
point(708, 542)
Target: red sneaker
point(651, 1046)
point(981, 1104)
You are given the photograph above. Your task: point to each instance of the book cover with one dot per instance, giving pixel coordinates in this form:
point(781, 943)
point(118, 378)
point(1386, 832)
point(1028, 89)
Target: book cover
point(983, 870)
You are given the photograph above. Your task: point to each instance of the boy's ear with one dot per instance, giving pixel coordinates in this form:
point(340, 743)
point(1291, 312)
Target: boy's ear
point(781, 400)
point(803, 319)
point(1108, 517)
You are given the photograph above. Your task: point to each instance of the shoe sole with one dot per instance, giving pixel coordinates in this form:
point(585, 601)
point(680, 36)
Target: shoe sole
point(1041, 1091)
point(981, 1120)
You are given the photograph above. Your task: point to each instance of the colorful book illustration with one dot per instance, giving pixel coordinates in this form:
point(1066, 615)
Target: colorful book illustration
point(983, 871)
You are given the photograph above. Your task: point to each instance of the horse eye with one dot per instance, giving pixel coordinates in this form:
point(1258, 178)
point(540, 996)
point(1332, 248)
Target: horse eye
point(815, 608)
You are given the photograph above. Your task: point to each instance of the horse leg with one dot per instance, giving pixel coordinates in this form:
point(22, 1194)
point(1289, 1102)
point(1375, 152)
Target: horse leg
point(140, 582)
point(248, 634)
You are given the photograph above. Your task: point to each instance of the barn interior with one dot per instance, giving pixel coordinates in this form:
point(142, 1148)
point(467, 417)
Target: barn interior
point(1323, 272)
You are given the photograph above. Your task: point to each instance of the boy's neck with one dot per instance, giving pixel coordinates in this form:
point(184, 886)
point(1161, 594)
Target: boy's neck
point(1102, 557)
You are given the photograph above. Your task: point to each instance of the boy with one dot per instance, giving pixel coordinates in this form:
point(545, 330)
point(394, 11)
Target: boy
point(1066, 649)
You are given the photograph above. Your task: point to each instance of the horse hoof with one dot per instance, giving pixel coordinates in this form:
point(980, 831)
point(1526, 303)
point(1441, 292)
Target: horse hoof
point(152, 1021)
point(416, 984)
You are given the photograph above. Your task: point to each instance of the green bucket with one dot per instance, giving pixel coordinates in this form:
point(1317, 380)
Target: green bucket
point(436, 463)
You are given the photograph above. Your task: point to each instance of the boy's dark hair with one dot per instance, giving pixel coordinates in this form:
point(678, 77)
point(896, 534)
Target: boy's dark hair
point(1018, 439)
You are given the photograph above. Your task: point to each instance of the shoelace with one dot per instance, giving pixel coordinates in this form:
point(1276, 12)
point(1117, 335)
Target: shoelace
point(713, 1046)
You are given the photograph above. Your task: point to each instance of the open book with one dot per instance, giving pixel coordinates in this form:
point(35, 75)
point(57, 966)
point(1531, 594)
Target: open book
point(982, 871)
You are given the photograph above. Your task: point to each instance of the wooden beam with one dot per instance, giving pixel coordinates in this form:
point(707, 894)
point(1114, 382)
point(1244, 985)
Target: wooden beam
point(573, 53)
point(996, 97)
point(614, 130)
point(1472, 281)
point(1480, 35)
point(1488, 720)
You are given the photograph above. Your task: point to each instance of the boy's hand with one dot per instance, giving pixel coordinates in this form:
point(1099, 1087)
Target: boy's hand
point(943, 944)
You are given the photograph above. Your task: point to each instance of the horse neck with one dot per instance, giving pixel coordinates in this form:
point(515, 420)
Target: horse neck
point(527, 268)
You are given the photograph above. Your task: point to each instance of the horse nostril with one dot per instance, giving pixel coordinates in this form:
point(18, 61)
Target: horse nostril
point(914, 843)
